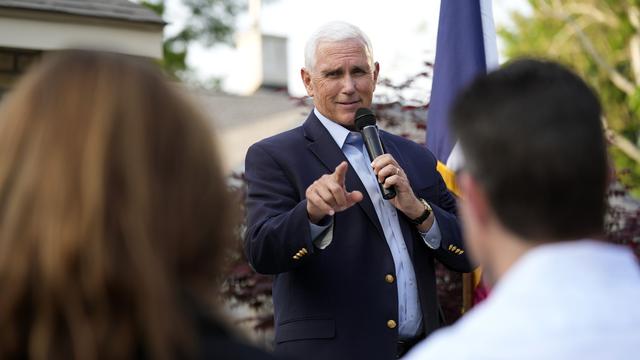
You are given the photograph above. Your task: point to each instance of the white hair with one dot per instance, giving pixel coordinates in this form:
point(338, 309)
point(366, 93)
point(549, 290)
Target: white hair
point(335, 31)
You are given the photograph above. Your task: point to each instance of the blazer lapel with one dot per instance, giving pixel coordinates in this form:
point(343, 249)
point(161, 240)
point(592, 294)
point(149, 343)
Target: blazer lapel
point(322, 145)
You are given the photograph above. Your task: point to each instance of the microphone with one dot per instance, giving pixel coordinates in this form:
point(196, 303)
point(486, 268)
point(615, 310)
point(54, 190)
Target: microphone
point(365, 122)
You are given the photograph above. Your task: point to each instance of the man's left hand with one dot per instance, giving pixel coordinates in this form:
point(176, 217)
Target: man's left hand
point(389, 173)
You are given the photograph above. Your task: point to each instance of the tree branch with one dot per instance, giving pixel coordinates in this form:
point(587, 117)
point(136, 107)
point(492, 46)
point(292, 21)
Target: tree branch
point(619, 80)
point(634, 50)
point(621, 142)
point(593, 12)
point(634, 43)
point(563, 36)
point(634, 17)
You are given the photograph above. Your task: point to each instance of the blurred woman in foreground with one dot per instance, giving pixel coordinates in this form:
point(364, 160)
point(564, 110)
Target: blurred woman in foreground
point(113, 216)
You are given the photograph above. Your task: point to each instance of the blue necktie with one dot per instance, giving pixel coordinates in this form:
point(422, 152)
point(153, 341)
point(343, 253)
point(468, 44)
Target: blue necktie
point(409, 316)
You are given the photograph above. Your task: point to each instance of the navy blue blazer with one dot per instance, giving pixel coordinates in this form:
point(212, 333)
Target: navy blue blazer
point(336, 303)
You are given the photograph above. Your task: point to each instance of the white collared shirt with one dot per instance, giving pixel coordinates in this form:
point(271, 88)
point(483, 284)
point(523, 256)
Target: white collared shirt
point(569, 300)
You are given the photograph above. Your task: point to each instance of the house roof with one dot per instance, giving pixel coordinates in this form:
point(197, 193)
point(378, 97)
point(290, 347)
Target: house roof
point(110, 9)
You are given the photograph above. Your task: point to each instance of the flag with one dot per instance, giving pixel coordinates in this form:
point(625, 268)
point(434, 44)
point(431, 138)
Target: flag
point(466, 47)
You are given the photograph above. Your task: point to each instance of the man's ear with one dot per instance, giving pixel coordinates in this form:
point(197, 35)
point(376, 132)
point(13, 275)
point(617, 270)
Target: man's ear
point(376, 71)
point(475, 197)
point(306, 80)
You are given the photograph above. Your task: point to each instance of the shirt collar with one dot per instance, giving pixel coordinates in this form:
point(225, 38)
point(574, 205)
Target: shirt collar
point(338, 132)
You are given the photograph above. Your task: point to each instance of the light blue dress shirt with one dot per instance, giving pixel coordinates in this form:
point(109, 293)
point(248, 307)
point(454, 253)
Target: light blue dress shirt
point(409, 312)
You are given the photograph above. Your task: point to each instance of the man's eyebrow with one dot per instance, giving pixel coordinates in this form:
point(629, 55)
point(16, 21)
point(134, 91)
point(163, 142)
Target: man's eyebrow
point(329, 71)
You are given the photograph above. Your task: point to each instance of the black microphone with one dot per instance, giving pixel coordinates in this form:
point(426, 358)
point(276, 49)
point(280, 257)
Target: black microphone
point(365, 122)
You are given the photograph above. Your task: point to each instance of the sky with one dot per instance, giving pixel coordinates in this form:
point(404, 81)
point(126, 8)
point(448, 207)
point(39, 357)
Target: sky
point(403, 34)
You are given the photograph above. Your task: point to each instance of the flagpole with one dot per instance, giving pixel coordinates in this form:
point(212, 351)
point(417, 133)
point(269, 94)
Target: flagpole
point(467, 292)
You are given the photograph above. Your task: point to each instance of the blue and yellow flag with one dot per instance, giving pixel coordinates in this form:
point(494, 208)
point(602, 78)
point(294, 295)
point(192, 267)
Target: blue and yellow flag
point(466, 47)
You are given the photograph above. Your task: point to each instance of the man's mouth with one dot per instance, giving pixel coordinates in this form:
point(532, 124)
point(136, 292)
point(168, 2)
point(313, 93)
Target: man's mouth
point(348, 102)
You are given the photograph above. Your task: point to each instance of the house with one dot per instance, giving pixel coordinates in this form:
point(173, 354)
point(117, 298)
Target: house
point(30, 27)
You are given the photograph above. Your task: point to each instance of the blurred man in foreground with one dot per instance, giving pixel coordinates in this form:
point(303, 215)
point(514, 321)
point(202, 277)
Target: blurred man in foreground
point(533, 212)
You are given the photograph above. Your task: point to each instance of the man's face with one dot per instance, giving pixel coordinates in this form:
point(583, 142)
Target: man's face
point(342, 80)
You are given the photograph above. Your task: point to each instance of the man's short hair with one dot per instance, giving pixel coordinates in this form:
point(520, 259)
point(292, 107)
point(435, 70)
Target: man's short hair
point(335, 31)
point(532, 136)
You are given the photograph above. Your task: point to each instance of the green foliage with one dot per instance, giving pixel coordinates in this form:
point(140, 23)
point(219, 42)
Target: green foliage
point(209, 22)
point(156, 7)
point(628, 171)
point(571, 32)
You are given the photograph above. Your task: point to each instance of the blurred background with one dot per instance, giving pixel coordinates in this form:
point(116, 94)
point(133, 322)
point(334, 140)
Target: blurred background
point(240, 61)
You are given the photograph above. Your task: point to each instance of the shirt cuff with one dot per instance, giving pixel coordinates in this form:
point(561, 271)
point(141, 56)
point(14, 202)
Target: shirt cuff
point(432, 237)
point(321, 235)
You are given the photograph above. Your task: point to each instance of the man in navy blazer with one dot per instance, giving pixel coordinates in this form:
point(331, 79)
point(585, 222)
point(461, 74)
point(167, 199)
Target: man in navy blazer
point(354, 273)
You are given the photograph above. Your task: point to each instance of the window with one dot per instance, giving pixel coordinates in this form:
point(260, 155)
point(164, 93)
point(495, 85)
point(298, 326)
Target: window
point(16, 61)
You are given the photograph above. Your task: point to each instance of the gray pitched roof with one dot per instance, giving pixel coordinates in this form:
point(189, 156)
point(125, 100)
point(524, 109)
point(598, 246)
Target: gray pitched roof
point(111, 9)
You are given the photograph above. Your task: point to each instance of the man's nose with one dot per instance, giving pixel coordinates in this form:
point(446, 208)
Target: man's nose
point(349, 85)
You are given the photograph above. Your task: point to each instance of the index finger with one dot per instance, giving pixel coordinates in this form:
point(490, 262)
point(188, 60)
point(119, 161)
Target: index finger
point(341, 172)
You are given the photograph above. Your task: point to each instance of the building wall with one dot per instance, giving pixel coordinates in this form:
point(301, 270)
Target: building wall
point(274, 61)
point(26, 30)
